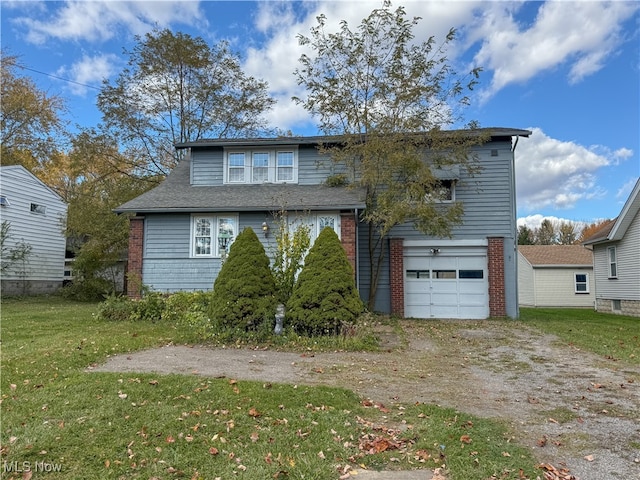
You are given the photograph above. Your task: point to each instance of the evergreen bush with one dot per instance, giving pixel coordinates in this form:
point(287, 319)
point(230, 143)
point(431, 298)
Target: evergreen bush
point(325, 296)
point(244, 293)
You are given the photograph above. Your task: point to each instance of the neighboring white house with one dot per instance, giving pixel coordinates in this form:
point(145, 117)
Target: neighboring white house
point(616, 260)
point(36, 216)
point(555, 276)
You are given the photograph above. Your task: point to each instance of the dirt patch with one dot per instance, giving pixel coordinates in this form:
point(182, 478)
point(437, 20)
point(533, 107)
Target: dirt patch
point(572, 408)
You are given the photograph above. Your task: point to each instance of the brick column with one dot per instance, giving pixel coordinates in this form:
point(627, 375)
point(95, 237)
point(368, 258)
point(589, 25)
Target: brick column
point(396, 266)
point(497, 295)
point(348, 237)
point(134, 263)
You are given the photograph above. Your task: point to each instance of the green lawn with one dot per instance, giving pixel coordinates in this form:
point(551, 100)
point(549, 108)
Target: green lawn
point(113, 426)
point(615, 337)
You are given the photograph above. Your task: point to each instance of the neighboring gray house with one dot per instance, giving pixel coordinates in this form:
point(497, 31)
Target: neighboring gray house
point(182, 228)
point(36, 216)
point(616, 260)
point(555, 276)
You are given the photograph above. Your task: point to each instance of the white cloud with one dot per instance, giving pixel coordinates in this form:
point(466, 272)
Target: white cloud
point(579, 34)
point(89, 71)
point(624, 191)
point(534, 221)
point(100, 21)
point(557, 174)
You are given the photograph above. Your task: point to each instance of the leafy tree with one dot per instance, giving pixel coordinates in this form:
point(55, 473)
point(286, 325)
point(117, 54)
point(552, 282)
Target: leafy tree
point(388, 98)
point(567, 233)
point(94, 178)
point(30, 124)
point(525, 235)
point(177, 88)
point(292, 243)
point(546, 233)
point(325, 296)
point(244, 293)
point(591, 229)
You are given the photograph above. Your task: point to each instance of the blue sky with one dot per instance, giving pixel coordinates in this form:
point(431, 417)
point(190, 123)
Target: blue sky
point(568, 71)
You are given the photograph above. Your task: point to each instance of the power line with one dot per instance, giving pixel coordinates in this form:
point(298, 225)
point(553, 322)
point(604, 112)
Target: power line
point(58, 78)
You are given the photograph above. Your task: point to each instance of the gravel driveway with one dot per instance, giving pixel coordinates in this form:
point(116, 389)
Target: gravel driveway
point(574, 409)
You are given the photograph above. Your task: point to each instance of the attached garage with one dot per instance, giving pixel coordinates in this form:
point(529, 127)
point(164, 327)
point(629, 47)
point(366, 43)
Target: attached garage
point(447, 280)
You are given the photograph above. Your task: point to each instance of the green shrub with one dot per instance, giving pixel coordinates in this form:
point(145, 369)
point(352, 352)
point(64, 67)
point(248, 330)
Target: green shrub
point(116, 308)
point(244, 291)
point(188, 311)
point(150, 307)
point(87, 290)
point(325, 296)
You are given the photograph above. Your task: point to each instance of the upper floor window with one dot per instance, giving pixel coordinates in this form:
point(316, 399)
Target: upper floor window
point(261, 166)
point(212, 235)
point(613, 264)
point(581, 282)
point(37, 208)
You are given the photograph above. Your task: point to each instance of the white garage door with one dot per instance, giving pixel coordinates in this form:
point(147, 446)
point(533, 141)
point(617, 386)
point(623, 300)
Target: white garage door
point(450, 284)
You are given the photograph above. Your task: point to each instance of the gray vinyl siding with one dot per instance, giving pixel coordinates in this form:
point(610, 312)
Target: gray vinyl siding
point(489, 211)
point(43, 232)
point(627, 285)
point(207, 167)
point(167, 266)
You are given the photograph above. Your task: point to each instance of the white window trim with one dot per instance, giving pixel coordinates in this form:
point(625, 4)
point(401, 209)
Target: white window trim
point(575, 282)
point(610, 263)
point(248, 165)
point(215, 250)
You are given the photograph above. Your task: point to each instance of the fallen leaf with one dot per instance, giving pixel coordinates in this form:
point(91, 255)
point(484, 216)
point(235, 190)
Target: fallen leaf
point(465, 439)
point(589, 458)
point(170, 439)
point(254, 413)
point(254, 437)
point(213, 451)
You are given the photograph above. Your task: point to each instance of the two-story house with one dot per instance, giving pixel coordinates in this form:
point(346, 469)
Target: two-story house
point(182, 228)
point(35, 216)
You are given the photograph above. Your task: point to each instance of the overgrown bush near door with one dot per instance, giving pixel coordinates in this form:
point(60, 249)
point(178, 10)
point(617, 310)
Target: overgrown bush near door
point(244, 293)
point(325, 296)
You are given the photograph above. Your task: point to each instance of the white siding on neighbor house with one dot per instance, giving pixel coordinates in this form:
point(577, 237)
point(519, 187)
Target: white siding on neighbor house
point(555, 287)
point(526, 285)
point(627, 285)
point(42, 231)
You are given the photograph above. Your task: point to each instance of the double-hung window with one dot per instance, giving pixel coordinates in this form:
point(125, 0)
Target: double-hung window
point(284, 167)
point(581, 282)
point(212, 235)
point(613, 264)
point(236, 167)
point(260, 167)
point(254, 166)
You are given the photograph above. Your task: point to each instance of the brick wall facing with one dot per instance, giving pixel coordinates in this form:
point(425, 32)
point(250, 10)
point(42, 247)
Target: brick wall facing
point(497, 295)
point(396, 263)
point(348, 237)
point(134, 270)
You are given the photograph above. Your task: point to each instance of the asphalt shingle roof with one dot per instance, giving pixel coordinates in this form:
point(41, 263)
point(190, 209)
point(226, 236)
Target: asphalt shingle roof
point(176, 194)
point(550, 255)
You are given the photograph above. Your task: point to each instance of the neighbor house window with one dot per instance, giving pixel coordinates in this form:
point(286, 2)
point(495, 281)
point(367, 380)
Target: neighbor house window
point(211, 235)
point(613, 264)
point(4, 202)
point(37, 208)
point(261, 166)
point(581, 282)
